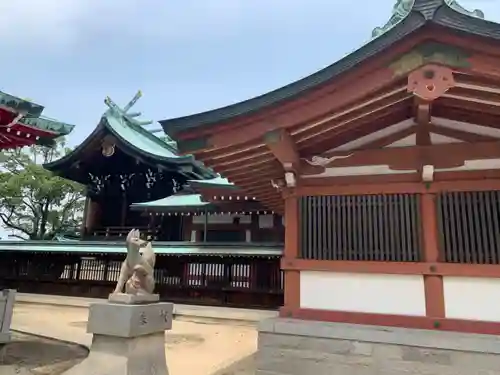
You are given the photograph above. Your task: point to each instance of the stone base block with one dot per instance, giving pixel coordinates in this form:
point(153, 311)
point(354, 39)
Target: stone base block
point(296, 347)
point(122, 320)
point(5, 337)
point(143, 355)
point(128, 339)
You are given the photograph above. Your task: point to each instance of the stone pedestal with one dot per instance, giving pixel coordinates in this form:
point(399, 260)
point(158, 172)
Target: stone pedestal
point(128, 338)
point(296, 347)
point(7, 297)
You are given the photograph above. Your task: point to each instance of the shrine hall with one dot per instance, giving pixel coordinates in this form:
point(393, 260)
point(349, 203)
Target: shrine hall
point(386, 166)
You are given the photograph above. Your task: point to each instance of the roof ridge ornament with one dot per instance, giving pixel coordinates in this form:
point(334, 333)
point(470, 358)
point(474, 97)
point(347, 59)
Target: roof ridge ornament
point(453, 4)
point(403, 8)
point(123, 112)
point(399, 12)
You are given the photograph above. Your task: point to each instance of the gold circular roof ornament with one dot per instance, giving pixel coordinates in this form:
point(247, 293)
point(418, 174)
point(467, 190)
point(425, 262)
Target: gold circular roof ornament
point(108, 149)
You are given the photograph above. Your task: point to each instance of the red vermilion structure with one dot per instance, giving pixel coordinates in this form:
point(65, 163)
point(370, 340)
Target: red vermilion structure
point(22, 123)
point(386, 165)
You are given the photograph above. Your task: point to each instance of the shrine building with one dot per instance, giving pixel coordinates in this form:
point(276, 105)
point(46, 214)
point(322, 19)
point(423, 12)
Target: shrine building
point(134, 179)
point(122, 163)
point(386, 166)
point(22, 124)
point(215, 244)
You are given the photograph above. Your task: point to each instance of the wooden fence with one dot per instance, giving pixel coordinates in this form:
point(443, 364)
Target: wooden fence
point(227, 280)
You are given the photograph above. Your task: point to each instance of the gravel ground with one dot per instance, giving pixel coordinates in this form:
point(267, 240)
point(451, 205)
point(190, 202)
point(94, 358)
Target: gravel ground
point(194, 346)
point(32, 355)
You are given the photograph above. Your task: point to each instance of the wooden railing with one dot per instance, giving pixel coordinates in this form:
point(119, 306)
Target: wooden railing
point(225, 279)
point(115, 233)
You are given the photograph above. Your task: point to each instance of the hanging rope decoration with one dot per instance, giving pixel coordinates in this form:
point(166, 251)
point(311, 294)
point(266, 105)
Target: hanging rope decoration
point(97, 183)
point(176, 186)
point(125, 181)
point(150, 178)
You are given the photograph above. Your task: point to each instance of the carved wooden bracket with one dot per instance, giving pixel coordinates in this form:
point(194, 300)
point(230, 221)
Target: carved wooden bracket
point(430, 81)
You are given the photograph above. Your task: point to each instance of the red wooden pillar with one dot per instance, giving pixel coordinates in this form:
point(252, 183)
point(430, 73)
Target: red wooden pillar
point(433, 284)
point(292, 277)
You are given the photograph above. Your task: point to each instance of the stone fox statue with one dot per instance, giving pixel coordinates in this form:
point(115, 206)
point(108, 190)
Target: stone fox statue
point(137, 271)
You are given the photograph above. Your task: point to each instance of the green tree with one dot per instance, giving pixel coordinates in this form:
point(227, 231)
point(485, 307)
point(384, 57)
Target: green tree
point(34, 203)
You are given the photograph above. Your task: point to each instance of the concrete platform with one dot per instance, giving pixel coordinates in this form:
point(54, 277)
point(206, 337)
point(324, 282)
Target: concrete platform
point(296, 347)
point(189, 311)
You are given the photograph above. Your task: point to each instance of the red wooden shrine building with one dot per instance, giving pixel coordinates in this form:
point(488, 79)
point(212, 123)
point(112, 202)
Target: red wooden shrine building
point(386, 165)
point(22, 123)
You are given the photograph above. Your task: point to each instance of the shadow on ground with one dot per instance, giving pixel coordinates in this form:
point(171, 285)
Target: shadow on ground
point(39, 356)
point(171, 339)
point(245, 366)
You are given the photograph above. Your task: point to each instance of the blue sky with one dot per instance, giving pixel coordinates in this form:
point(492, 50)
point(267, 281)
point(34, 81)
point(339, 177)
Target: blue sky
point(185, 55)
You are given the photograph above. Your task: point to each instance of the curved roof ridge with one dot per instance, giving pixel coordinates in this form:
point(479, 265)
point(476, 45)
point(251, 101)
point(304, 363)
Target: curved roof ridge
point(454, 4)
point(173, 125)
point(22, 105)
point(407, 17)
point(140, 129)
point(400, 11)
point(111, 122)
point(32, 115)
point(122, 115)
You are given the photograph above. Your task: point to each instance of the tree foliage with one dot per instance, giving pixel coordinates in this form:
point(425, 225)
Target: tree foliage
point(34, 203)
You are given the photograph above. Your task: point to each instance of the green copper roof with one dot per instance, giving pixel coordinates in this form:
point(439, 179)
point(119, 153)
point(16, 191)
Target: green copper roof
point(138, 137)
point(44, 123)
point(163, 248)
point(131, 130)
point(32, 115)
point(402, 9)
point(186, 200)
point(19, 105)
point(217, 181)
point(408, 17)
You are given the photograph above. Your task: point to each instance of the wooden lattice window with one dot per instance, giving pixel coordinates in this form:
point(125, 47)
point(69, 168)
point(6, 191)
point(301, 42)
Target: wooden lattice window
point(469, 226)
point(360, 227)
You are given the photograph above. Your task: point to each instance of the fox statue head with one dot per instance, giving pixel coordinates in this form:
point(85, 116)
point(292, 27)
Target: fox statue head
point(134, 240)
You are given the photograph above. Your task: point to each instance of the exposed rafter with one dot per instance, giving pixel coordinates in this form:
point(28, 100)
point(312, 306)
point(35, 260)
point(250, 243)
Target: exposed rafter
point(283, 148)
point(423, 118)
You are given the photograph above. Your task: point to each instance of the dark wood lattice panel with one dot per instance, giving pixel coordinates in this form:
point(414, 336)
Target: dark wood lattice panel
point(469, 226)
point(361, 227)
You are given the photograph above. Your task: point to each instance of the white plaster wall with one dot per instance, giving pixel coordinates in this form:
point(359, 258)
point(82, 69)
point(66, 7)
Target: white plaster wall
point(368, 293)
point(473, 298)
